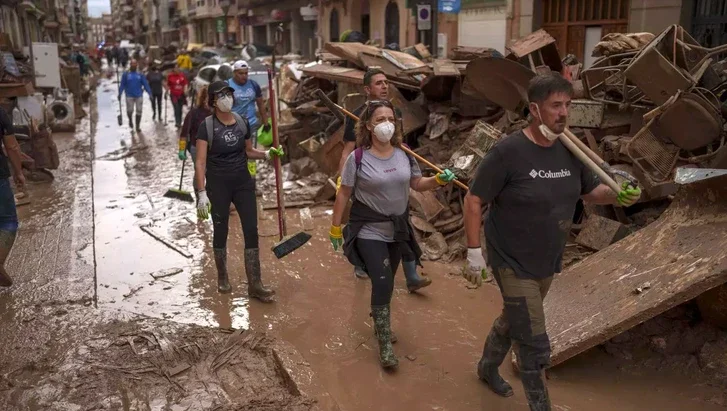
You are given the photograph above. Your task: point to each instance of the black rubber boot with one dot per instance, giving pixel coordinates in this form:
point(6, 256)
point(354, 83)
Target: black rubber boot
point(131, 123)
point(535, 390)
point(223, 284)
point(7, 239)
point(138, 122)
point(153, 115)
point(496, 347)
point(394, 338)
point(255, 287)
point(413, 280)
point(382, 327)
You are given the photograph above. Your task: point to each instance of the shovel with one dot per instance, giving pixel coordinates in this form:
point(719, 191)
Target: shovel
point(286, 245)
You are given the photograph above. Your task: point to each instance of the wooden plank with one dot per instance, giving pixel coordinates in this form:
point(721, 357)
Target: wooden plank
point(595, 300)
point(333, 73)
point(445, 67)
point(426, 203)
point(530, 43)
point(350, 51)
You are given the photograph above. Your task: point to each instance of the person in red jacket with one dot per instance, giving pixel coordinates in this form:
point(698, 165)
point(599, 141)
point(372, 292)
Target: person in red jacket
point(177, 85)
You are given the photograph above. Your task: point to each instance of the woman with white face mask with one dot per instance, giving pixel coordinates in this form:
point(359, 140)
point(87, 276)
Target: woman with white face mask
point(379, 174)
point(221, 160)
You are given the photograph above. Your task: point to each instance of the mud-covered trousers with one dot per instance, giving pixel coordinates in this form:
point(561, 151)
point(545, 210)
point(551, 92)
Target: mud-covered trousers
point(522, 321)
point(381, 260)
point(223, 190)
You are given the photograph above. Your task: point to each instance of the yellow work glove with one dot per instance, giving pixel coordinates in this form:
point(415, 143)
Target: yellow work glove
point(182, 150)
point(338, 184)
point(336, 236)
point(445, 177)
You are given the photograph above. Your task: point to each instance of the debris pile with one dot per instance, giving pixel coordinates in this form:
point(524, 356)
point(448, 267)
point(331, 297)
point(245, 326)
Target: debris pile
point(651, 104)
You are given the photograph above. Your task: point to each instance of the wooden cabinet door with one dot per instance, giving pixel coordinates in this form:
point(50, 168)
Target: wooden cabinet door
point(576, 41)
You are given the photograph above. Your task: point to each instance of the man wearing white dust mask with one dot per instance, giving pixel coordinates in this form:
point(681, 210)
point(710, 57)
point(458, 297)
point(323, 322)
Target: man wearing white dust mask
point(379, 175)
point(532, 183)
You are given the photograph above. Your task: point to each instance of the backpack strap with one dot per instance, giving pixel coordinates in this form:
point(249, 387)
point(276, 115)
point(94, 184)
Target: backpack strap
point(241, 121)
point(208, 123)
point(357, 156)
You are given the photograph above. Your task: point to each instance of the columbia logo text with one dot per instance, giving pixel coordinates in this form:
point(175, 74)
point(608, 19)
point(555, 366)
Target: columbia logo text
point(549, 174)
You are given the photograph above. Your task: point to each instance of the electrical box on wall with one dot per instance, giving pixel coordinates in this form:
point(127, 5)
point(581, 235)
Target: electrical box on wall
point(47, 65)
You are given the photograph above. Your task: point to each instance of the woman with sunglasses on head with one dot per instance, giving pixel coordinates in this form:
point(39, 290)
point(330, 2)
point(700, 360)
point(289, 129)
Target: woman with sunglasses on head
point(223, 147)
point(379, 174)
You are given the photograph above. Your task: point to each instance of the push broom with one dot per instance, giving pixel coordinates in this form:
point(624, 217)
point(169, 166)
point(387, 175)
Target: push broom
point(178, 193)
point(287, 244)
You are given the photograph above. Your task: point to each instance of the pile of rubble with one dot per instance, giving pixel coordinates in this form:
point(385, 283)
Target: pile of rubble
point(650, 105)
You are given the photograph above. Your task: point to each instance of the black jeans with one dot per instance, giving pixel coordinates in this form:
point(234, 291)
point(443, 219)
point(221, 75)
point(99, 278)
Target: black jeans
point(156, 104)
point(223, 190)
point(177, 111)
point(381, 261)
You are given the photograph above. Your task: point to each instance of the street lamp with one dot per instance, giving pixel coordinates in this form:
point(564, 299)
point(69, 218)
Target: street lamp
point(225, 6)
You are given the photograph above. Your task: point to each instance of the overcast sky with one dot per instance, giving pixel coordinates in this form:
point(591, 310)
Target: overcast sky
point(97, 7)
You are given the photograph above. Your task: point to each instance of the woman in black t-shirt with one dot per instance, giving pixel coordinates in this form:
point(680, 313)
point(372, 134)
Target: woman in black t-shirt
point(221, 160)
point(188, 135)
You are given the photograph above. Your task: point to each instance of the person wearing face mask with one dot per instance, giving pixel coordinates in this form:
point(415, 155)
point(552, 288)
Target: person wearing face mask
point(376, 87)
point(134, 84)
point(379, 174)
point(532, 183)
point(223, 148)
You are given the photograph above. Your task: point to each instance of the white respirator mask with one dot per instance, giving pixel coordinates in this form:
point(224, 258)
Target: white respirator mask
point(384, 131)
point(544, 130)
point(224, 104)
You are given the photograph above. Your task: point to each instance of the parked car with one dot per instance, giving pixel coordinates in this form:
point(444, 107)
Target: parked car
point(209, 74)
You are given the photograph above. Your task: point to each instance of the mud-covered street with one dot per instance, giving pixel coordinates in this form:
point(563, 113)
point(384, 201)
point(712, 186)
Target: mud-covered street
point(115, 306)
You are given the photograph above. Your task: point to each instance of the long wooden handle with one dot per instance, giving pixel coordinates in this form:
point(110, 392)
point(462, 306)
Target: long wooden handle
point(605, 178)
point(411, 153)
point(276, 161)
point(584, 148)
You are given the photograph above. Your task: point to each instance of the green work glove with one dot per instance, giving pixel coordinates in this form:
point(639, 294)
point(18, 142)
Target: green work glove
point(277, 152)
point(182, 154)
point(203, 205)
point(336, 236)
point(628, 195)
point(445, 177)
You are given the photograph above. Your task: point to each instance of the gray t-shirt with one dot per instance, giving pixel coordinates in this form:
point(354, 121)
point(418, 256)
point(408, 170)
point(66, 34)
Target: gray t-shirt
point(532, 192)
point(383, 185)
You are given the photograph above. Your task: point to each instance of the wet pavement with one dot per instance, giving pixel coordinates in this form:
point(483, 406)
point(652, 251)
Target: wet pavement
point(85, 248)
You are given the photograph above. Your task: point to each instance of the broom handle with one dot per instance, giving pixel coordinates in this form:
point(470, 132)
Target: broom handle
point(181, 177)
point(410, 152)
point(276, 160)
point(605, 178)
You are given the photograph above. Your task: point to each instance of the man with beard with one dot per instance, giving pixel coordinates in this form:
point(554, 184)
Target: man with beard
point(532, 183)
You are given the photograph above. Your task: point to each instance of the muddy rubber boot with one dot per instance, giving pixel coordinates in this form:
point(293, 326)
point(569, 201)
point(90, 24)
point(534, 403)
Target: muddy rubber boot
point(138, 122)
point(7, 239)
point(494, 353)
point(382, 325)
point(153, 116)
point(535, 390)
point(223, 284)
point(255, 287)
point(413, 280)
point(360, 273)
point(394, 338)
point(131, 123)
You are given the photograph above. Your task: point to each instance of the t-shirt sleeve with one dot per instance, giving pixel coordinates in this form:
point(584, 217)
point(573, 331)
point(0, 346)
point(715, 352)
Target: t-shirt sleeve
point(6, 123)
point(416, 172)
point(202, 131)
point(257, 89)
point(589, 180)
point(348, 176)
point(490, 177)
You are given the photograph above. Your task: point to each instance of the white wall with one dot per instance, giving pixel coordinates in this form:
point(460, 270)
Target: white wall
point(483, 27)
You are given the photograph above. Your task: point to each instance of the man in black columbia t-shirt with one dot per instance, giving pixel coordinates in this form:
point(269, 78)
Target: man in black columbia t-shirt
point(8, 215)
point(532, 184)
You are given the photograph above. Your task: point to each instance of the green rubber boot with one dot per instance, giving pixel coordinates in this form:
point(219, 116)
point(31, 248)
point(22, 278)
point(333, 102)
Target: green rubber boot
point(382, 327)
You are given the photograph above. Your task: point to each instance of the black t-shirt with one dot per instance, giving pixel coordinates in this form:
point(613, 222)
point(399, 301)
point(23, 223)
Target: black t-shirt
point(228, 157)
point(349, 134)
point(155, 80)
point(6, 129)
point(532, 192)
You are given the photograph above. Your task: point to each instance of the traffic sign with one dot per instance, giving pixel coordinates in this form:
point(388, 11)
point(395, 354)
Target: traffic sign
point(424, 17)
point(450, 6)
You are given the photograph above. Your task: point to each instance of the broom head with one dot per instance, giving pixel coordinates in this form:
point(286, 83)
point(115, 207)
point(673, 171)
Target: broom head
point(290, 243)
point(179, 195)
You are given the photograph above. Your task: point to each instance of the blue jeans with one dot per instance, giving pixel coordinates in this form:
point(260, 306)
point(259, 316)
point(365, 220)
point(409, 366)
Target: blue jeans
point(8, 214)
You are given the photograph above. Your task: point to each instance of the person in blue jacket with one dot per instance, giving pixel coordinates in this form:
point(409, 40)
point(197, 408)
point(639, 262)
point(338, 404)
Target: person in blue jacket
point(134, 84)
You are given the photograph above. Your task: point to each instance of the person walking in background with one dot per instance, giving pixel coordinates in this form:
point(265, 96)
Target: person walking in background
point(177, 85)
point(133, 84)
point(190, 127)
point(156, 82)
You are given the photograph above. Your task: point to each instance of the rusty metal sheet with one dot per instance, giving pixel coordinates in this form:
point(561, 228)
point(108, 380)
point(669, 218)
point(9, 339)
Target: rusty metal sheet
point(333, 73)
point(414, 116)
point(656, 76)
point(680, 256)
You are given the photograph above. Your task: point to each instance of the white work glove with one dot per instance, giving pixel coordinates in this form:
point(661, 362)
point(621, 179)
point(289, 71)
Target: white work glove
point(475, 266)
point(203, 205)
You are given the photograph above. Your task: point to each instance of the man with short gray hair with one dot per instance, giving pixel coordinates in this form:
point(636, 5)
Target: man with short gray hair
point(532, 184)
